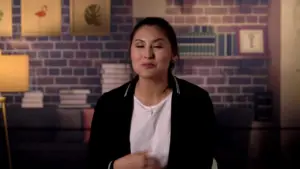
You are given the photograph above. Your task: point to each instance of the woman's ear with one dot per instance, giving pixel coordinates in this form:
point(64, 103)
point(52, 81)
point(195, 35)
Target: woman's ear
point(175, 58)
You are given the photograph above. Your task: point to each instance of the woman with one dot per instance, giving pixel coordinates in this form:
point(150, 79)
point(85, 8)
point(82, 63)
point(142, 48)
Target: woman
point(156, 120)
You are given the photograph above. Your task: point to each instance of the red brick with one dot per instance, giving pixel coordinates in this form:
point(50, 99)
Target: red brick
point(43, 80)
point(170, 19)
point(240, 80)
point(203, 2)
point(234, 10)
point(190, 19)
point(243, 98)
point(239, 19)
point(209, 89)
point(203, 71)
point(228, 2)
point(260, 10)
point(41, 71)
point(223, 29)
point(253, 89)
point(263, 19)
point(179, 19)
point(80, 63)
point(199, 62)
point(216, 2)
point(35, 63)
point(170, 2)
point(229, 62)
point(216, 19)
point(89, 80)
point(216, 98)
point(121, 10)
point(202, 19)
point(228, 98)
point(189, 71)
point(197, 10)
point(173, 10)
point(55, 63)
point(66, 80)
point(222, 71)
point(251, 19)
point(215, 11)
point(53, 90)
point(182, 29)
point(228, 19)
point(228, 89)
point(260, 80)
point(215, 80)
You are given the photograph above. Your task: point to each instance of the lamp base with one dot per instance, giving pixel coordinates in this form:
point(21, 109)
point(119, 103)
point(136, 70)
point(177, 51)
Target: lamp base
point(2, 99)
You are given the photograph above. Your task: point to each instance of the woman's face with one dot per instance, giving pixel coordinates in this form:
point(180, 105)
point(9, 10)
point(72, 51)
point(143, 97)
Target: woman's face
point(151, 52)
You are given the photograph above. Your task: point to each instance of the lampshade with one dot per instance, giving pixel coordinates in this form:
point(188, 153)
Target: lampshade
point(14, 73)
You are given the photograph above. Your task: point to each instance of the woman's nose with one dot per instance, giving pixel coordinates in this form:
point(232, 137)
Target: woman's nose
point(149, 54)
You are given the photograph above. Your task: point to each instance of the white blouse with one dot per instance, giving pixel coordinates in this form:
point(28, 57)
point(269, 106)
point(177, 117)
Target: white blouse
point(150, 129)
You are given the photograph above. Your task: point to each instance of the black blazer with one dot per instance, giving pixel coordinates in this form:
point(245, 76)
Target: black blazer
point(193, 127)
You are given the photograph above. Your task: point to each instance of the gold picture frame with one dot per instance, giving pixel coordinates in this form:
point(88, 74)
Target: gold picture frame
point(83, 17)
point(41, 17)
point(6, 18)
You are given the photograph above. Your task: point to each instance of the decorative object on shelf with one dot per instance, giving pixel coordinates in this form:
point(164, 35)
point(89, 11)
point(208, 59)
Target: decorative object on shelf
point(227, 44)
point(41, 18)
point(33, 99)
point(74, 98)
point(14, 73)
point(90, 17)
point(252, 41)
point(144, 8)
point(6, 18)
point(114, 75)
point(201, 42)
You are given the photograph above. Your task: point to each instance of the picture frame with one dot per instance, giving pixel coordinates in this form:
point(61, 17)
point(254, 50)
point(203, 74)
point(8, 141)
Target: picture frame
point(41, 18)
point(90, 17)
point(6, 29)
point(252, 41)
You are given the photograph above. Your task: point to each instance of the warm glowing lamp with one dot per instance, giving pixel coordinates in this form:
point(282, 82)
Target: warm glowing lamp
point(14, 77)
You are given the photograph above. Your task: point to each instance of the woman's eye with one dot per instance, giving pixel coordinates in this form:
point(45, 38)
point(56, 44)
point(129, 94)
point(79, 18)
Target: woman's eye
point(139, 46)
point(157, 46)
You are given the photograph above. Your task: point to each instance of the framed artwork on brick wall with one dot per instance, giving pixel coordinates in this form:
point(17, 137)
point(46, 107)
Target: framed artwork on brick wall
point(6, 18)
point(90, 17)
point(252, 41)
point(41, 17)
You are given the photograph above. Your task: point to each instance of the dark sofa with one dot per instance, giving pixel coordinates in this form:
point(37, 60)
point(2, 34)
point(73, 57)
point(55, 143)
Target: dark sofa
point(47, 138)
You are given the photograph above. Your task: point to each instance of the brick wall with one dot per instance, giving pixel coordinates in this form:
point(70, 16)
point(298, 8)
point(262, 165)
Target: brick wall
point(74, 62)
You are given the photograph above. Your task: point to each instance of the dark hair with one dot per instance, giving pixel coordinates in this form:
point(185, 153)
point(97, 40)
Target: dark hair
point(166, 28)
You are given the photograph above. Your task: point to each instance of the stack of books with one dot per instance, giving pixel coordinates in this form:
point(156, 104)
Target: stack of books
point(114, 75)
point(74, 98)
point(33, 99)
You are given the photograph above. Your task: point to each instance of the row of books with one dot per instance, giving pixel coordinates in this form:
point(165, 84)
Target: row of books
point(114, 75)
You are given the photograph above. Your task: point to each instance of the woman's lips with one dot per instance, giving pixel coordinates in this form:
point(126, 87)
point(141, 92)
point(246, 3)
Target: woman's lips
point(148, 65)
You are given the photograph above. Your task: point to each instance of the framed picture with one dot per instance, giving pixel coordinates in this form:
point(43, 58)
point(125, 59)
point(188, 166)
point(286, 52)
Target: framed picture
point(41, 18)
point(90, 17)
point(6, 18)
point(252, 41)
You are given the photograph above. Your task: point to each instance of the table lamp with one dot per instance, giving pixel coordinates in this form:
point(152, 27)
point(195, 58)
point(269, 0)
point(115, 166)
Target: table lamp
point(14, 77)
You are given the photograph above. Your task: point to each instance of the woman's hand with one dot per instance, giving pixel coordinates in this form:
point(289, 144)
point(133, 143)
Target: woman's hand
point(152, 163)
point(132, 161)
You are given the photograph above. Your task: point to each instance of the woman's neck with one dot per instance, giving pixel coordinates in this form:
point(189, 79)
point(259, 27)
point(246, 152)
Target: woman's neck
point(150, 91)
